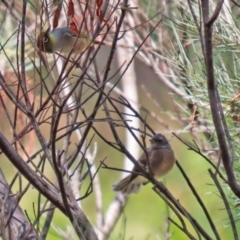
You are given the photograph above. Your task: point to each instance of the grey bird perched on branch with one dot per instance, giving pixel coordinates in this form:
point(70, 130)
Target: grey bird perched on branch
point(161, 160)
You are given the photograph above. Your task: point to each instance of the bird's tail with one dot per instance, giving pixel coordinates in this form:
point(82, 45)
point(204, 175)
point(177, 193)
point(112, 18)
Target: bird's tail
point(128, 186)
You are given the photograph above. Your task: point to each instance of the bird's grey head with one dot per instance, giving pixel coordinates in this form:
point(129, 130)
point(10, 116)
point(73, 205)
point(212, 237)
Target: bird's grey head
point(159, 140)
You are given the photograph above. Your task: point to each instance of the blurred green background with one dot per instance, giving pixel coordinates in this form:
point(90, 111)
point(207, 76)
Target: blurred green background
point(145, 214)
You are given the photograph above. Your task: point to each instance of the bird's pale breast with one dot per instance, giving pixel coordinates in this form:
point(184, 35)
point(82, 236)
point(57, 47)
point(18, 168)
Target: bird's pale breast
point(162, 161)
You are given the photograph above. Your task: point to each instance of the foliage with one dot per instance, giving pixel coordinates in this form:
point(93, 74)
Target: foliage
point(67, 119)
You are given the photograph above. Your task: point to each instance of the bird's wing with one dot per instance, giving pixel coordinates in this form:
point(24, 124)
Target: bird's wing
point(143, 162)
point(69, 32)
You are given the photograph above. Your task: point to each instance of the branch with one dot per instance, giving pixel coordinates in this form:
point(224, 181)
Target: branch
point(18, 226)
point(224, 139)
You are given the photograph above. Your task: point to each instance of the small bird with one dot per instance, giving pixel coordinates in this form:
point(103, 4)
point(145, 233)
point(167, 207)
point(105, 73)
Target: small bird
point(63, 40)
point(161, 160)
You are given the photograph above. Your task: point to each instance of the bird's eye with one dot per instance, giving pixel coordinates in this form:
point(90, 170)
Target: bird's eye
point(45, 39)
